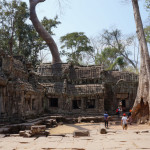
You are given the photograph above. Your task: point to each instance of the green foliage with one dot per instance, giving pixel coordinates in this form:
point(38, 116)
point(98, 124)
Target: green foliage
point(17, 36)
point(147, 33)
point(110, 59)
point(50, 23)
point(147, 4)
point(74, 46)
point(131, 69)
point(147, 28)
point(115, 54)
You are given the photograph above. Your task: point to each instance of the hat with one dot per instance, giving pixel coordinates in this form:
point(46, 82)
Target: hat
point(124, 114)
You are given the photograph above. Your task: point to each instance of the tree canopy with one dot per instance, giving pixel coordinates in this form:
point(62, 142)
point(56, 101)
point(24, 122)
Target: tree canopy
point(74, 46)
point(115, 50)
point(19, 37)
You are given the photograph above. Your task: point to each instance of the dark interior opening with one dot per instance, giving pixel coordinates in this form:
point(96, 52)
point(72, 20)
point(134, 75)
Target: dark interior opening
point(76, 104)
point(33, 104)
point(123, 105)
point(42, 102)
point(0, 62)
point(90, 103)
point(53, 102)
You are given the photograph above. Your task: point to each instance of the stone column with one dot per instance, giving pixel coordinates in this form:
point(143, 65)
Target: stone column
point(97, 104)
point(0, 100)
point(101, 105)
point(82, 104)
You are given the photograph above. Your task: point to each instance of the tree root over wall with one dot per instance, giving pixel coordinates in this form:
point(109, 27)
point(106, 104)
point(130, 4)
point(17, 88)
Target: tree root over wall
point(140, 113)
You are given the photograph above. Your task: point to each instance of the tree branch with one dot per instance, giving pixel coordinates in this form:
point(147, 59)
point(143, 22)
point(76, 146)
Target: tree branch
point(35, 2)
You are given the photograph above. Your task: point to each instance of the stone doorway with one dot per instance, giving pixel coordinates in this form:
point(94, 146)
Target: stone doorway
point(76, 104)
point(123, 103)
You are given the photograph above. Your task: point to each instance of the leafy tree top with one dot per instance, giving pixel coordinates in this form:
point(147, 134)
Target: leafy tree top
point(74, 45)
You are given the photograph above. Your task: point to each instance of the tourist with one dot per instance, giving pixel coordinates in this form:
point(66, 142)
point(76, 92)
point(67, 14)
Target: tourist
point(124, 121)
point(106, 119)
point(130, 116)
point(118, 111)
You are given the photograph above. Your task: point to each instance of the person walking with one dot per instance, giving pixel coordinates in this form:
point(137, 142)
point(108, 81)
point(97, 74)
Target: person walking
point(106, 119)
point(118, 112)
point(130, 116)
point(124, 121)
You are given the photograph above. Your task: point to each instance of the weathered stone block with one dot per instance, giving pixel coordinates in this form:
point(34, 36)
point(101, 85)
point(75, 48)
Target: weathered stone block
point(27, 134)
point(37, 129)
point(21, 133)
point(79, 133)
point(103, 131)
point(79, 119)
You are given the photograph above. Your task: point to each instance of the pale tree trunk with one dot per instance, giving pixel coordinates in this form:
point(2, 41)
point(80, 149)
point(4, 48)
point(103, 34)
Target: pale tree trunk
point(43, 33)
point(142, 101)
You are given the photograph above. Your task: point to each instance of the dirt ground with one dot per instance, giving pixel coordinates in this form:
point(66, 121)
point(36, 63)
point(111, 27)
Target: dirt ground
point(70, 128)
point(135, 137)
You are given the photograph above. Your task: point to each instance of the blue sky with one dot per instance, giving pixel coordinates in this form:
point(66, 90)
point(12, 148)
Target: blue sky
point(91, 16)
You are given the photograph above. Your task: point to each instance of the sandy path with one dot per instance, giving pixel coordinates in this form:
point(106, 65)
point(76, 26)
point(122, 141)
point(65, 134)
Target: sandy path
point(70, 128)
point(137, 137)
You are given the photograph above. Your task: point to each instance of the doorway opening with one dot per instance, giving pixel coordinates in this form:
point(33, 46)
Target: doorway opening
point(76, 104)
point(123, 102)
point(53, 102)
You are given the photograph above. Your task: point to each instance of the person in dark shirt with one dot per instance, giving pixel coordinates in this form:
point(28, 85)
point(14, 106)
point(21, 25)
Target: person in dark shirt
point(106, 119)
point(130, 116)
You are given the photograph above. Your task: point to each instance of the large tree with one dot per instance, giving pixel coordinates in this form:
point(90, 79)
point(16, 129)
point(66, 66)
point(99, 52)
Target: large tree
point(43, 33)
point(74, 46)
point(142, 102)
point(12, 17)
point(18, 37)
point(115, 40)
point(147, 28)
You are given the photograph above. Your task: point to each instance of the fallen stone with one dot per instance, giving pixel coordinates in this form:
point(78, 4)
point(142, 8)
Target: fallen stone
point(144, 131)
point(79, 133)
point(21, 133)
point(102, 129)
point(92, 121)
point(37, 129)
point(55, 122)
point(137, 132)
point(27, 134)
point(14, 135)
point(79, 119)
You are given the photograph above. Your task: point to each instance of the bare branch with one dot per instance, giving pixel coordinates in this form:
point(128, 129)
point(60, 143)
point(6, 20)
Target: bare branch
point(35, 2)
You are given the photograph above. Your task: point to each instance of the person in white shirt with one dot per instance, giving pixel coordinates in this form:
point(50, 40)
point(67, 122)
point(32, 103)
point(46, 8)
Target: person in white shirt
point(124, 121)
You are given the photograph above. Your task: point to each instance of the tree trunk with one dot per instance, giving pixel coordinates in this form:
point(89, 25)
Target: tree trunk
point(43, 33)
point(142, 101)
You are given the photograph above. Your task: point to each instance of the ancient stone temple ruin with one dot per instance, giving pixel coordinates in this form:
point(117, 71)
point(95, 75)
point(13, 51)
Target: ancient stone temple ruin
point(62, 89)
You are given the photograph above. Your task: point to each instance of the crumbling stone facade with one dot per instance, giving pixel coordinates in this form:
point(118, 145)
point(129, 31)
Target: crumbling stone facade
point(61, 88)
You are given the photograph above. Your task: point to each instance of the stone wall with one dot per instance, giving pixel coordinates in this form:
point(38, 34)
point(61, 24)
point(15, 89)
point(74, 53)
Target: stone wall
point(19, 98)
point(80, 85)
point(61, 88)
